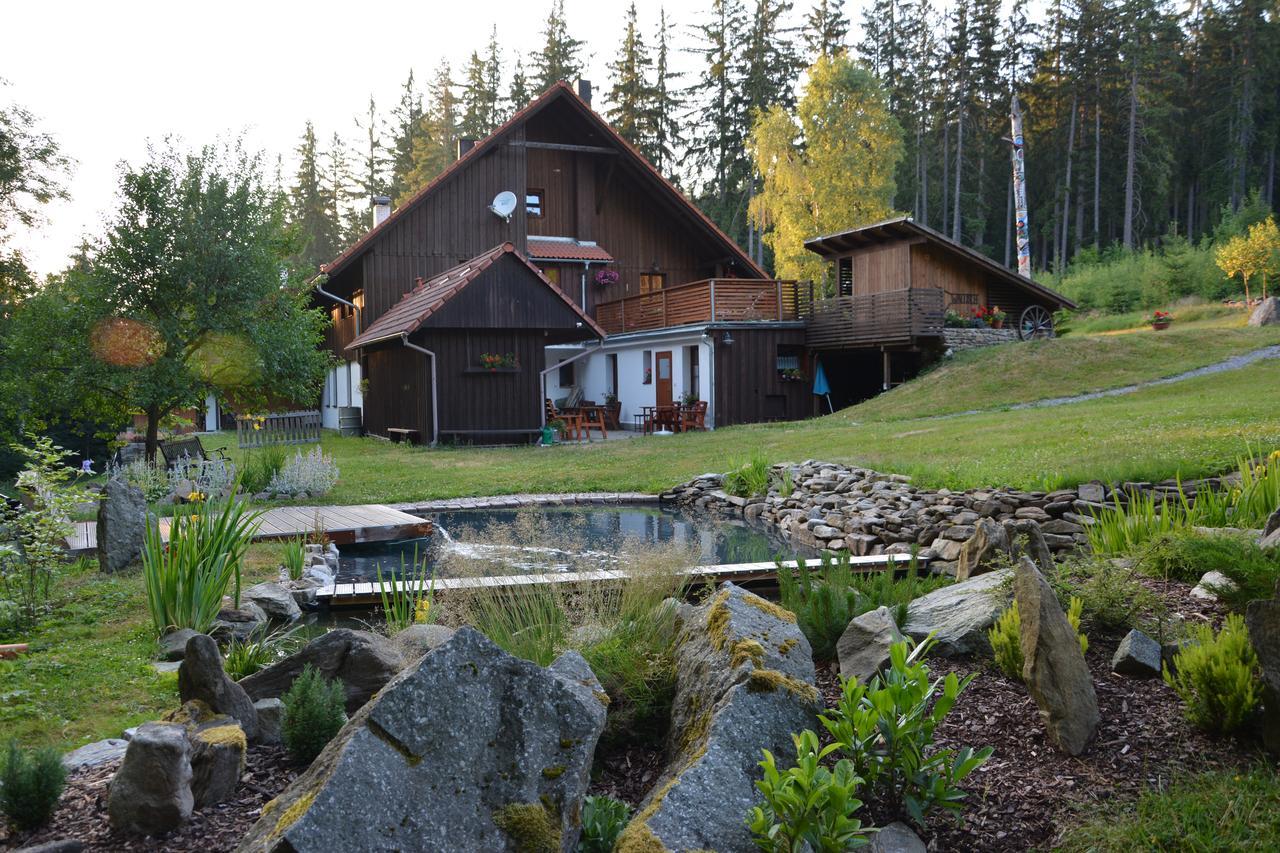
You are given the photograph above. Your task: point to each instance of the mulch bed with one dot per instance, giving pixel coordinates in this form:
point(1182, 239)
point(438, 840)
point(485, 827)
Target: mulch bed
point(82, 812)
point(628, 772)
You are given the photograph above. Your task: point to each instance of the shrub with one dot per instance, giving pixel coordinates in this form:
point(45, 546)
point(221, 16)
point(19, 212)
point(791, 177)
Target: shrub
point(808, 806)
point(313, 473)
point(1006, 637)
point(603, 819)
point(30, 785)
point(313, 714)
point(295, 557)
point(212, 477)
point(1216, 676)
point(1187, 556)
point(186, 579)
point(885, 727)
point(825, 599)
point(1113, 600)
point(149, 477)
point(748, 479)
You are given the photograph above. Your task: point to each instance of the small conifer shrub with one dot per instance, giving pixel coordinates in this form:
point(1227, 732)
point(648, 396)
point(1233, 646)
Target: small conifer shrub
point(30, 784)
point(1006, 637)
point(313, 714)
point(1216, 677)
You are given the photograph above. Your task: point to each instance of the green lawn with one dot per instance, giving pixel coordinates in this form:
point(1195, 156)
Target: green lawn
point(1191, 428)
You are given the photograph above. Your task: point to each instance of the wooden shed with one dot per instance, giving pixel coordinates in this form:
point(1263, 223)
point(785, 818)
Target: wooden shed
point(460, 356)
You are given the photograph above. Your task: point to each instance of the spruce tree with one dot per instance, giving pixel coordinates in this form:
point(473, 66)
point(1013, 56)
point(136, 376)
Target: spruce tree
point(518, 96)
point(481, 98)
point(560, 56)
point(407, 133)
point(436, 146)
point(309, 206)
point(667, 102)
point(631, 96)
point(373, 178)
point(826, 29)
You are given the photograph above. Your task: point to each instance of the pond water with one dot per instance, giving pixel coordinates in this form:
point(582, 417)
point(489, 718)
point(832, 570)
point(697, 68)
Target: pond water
point(564, 539)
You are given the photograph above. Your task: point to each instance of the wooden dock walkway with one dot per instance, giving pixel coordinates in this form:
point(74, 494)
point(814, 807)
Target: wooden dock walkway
point(743, 574)
point(344, 525)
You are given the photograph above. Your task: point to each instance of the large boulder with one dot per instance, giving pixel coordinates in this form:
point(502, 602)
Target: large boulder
point(151, 792)
point(1053, 666)
point(363, 661)
point(744, 682)
point(980, 552)
point(959, 615)
point(202, 678)
point(469, 748)
point(217, 761)
point(173, 645)
point(270, 721)
point(1267, 313)
point(863, 648)
point(276, 601)
point(1262, 618)
point(239, 623)
point(122, 525)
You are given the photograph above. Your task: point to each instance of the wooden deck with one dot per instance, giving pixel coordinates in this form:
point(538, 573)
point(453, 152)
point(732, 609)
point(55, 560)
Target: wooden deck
point(743, 574)
point(344, 525)
point(877, 319)
point(709, 301)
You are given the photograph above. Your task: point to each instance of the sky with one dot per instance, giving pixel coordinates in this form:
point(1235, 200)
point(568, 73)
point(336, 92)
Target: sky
point(106, 78)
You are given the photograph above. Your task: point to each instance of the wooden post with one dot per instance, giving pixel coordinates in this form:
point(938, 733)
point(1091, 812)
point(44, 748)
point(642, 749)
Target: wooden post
point(713, 300)
point(888, 374)
point(778, 284)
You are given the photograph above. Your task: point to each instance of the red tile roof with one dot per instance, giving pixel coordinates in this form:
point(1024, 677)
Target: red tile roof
point(567, 250)
point(560, 89)
point(408, 315)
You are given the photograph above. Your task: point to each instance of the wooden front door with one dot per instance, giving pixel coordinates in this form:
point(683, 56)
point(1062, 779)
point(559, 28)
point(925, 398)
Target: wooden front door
point(663, 388)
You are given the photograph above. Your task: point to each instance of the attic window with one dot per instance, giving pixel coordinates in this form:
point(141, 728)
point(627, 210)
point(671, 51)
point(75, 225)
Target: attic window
point(533, 202)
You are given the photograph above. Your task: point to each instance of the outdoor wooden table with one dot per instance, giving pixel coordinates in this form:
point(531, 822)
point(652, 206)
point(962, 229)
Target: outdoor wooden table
point(592, 418)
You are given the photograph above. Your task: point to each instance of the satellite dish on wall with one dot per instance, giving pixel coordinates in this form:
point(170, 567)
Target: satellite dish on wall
point(504, 204)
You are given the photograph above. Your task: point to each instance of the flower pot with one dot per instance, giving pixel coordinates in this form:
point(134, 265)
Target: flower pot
point(997, 324)
point(1160, 326)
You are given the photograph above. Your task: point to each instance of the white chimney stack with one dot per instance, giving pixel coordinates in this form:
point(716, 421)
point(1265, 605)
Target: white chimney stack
point(381, 209)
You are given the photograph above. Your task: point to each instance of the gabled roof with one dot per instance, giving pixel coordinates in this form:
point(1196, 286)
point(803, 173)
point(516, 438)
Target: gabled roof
point(428, 297)
point(903, 227)
point(567, 250)
point(560, 91)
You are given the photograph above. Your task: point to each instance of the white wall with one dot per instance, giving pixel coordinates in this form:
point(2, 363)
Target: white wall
point(341, 388)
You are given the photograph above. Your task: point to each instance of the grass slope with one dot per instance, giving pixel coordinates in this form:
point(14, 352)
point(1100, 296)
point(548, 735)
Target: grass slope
point(1194, 427)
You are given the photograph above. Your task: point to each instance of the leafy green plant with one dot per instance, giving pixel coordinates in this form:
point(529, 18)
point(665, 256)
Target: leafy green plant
point(314, 711)
point(261, 467)
point(824, 599)
point(245, 657)
point(1006, 636)
point(603, 819)
point(1259, 491)
point(749, 478)
point(808, 807)
point(30, 785)
point(187, 577)
point(1186, 556)
point(295, 557)
point(1113, 600)
point(886, 727)
point(1216, 676)
point(407, 601)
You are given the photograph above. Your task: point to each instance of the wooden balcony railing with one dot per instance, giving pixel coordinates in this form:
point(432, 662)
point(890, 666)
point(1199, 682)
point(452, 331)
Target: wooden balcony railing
point(893, 317)
point(715, 300)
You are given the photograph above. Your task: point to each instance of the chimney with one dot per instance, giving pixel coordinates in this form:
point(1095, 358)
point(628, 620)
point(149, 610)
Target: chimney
point(584, 90)
point(381, 209)
point(465, 144)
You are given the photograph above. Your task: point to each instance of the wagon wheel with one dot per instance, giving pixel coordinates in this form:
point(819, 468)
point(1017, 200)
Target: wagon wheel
point(1036, 322)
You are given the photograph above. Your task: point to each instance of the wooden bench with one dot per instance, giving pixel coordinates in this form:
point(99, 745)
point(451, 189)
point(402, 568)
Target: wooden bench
point(399, 435)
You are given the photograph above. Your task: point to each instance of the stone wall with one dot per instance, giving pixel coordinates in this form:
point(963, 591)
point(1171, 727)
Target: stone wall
point(862, 511)
point(958, 339)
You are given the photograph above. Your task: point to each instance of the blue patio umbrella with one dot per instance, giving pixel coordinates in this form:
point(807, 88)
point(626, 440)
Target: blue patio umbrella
point(821, 386)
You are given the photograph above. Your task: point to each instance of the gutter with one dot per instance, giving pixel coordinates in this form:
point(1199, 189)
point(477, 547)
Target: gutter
point(542, 377)
point(435, 409)
point(336, 298)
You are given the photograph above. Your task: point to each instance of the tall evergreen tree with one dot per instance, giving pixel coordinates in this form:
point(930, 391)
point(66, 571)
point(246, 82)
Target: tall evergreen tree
point(519, 95)
point(560, 56)
point(481, 93)
point(668, 135)
point(436, 146)
point(407, 132)
point(310, 210)
point(632, 97)
point(826, 29)
point(374, 167)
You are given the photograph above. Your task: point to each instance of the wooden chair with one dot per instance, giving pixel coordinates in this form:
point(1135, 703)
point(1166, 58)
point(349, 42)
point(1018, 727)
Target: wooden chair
point(694, 416)
point(572, 421)
point(664, 418)
point(593, 418)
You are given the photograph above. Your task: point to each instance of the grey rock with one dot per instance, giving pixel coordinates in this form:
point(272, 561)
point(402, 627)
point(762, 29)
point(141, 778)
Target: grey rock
point(93, 754)
point(1137, 655)
point(1272, 525)
point(1053, 665)
point(982, 550)
point(363, 661)
point(166, 665)
point(238, 623)
point(122, 525)
point(1094, 492)
point(62, 845)
point(1210, 584)
point(217, 760)
point(201, 678)
point(151, 792)
point(270, 719)
point(897, 837)
point(517, 753)
point(1060, 527)
point(1262, 617)
point(1267, 313)
point(276, 601)
point(416, 640)
point(959, 615)
point(863, 648)
point(947, 549)
point(744, 682)
point(1272, 539)
point(1026, 538)
point(173, 645)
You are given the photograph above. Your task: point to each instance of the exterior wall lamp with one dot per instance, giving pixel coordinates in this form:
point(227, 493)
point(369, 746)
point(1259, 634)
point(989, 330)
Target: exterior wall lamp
point(728, 339)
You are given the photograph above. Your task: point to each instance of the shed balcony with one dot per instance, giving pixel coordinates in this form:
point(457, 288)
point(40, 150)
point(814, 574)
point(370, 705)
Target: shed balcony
point(714, 300)
point(877, 319)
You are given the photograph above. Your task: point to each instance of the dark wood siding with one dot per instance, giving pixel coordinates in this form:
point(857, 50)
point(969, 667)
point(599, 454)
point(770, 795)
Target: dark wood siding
point(508, 296)
point(747, 386)
point(399, 394)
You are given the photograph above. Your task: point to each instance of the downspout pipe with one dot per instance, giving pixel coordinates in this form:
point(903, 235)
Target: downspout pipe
point(435, 409)
point(543, 375)
point(336, 298)
point(710, 341)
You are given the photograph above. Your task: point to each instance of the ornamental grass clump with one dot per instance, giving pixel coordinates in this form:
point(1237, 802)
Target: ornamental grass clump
point(187, 577)
point(30, 784)
point(1216, 677)
point(295, 557)
point(314, 711)
point(749, 479)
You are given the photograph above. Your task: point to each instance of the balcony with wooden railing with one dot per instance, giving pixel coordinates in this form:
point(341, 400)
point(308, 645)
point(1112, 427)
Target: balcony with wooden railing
point(876, 319)
point(714, 300)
